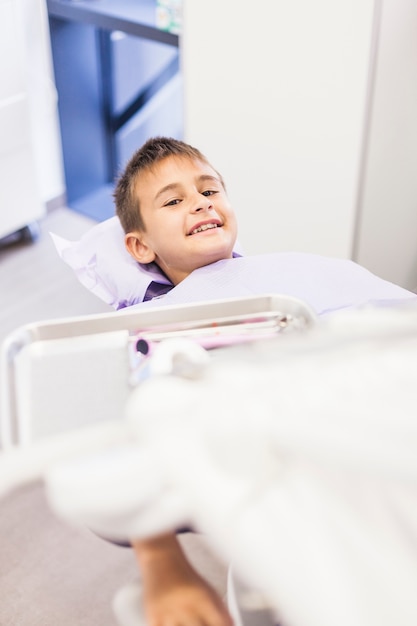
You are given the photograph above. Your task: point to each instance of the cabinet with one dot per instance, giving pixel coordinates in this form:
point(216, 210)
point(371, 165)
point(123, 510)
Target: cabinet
point(20, 197)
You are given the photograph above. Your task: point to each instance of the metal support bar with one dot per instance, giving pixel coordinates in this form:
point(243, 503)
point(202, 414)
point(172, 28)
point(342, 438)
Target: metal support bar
point(106, 71)
point(146, 94)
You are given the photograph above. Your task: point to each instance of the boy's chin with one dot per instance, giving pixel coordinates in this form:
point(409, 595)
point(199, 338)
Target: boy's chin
point(218, 250)
point(216, 255)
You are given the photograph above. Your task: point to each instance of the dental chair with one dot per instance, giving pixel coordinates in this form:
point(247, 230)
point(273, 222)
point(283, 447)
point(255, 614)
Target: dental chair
point(296, 456)
point(284, 476)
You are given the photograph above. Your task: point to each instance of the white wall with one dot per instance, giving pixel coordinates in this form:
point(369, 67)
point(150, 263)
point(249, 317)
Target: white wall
point(275, 94)
point(387, 224)
point(278, 95)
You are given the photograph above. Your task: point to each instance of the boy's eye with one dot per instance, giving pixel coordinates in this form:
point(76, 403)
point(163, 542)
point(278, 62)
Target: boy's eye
point(209, 192)
point(172, 202)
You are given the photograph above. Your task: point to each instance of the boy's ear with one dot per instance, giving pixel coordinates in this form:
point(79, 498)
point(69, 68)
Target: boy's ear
point(136, 245)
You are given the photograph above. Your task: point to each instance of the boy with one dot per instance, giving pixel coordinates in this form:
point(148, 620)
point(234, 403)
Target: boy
point(174, 210)
point(173, 207)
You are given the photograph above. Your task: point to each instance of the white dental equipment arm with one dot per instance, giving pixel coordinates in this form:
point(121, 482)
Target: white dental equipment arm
point(298, 459)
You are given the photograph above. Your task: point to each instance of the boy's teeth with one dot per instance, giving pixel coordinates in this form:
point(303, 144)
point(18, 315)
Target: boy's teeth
point(203, 227)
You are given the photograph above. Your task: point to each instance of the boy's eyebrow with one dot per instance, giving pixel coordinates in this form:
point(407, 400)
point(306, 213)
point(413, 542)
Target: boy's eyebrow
point(167, 188)
point(201, 178)
point(208, 177)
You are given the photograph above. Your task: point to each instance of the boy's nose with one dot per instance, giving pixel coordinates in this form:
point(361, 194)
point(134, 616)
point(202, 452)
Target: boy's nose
point(203, 203)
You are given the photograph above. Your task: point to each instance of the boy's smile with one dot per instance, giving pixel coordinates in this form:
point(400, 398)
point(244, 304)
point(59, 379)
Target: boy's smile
point(201, 227)
point(188, 219)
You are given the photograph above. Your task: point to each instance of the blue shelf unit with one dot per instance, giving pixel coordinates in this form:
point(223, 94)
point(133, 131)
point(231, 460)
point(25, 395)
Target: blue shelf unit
point(119, 82)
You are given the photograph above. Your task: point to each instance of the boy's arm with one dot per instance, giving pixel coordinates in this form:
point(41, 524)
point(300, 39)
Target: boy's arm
point(174, 594)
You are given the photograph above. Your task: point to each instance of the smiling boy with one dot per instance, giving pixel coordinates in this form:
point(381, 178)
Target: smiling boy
point(175, 212)
point(174, 209)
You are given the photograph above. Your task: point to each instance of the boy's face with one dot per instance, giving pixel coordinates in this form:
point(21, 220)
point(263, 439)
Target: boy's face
point(188, 219)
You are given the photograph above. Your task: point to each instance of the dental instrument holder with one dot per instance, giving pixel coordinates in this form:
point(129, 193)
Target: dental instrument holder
point(61, 375)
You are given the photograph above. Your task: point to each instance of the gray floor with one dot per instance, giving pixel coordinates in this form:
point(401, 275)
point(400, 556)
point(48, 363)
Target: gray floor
point(35, 284)
point(51, 573)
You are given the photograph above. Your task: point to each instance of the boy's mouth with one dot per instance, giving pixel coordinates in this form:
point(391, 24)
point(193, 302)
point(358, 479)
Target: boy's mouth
point(202, 226)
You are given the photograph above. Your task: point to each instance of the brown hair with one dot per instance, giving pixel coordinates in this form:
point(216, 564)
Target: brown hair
point(152, 152)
